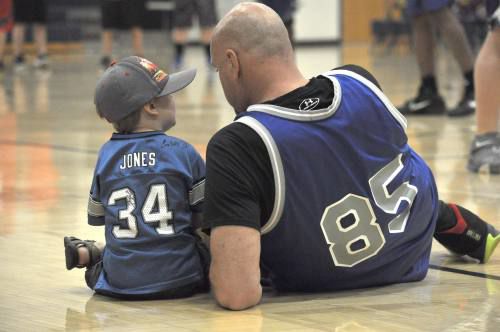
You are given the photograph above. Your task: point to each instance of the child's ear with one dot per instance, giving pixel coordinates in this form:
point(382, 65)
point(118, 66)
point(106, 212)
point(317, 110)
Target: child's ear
point(150, 108)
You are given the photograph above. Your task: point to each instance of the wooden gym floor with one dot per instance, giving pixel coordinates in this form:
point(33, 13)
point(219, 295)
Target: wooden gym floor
point(49, 138)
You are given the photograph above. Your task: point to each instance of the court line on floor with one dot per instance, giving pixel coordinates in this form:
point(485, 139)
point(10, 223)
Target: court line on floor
point(464, 272)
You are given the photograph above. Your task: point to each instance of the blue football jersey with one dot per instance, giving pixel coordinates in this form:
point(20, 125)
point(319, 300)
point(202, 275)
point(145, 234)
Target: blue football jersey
point(145, 188)
point(354, 205)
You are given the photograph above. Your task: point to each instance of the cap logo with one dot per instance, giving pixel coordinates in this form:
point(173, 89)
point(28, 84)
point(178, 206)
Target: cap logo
point(148, 65)
point(159, 76)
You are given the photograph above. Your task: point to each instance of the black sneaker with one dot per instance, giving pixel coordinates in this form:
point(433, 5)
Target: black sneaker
point(470, 236)
point(485, 153)
point(105, 62)
point(71, 245)
point(19, 63)
point(427, 102)
point(466, 106)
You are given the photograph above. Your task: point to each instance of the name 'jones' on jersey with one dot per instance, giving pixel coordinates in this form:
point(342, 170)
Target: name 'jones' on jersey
point(138, 159)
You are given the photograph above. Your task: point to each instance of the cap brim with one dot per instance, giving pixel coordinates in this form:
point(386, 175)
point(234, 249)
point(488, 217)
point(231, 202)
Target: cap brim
point(178, 81)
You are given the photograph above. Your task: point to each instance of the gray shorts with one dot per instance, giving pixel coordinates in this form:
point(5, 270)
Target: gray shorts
point(186, 9)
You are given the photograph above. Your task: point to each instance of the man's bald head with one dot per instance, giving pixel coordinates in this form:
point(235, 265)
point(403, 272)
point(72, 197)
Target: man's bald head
point(254, 29)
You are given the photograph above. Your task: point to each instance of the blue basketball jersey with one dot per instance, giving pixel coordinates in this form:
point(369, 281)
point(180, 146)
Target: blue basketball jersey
point(354, 205)
point(145, 188)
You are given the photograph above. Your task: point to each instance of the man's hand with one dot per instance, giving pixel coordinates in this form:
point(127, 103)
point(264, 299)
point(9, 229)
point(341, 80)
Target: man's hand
point(234, 270)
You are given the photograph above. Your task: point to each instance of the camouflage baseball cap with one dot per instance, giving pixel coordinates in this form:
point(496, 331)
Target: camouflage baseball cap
point(132, 82)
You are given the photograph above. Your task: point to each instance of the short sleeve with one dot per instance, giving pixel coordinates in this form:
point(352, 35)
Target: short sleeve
point(95, 208)
point(238, 189)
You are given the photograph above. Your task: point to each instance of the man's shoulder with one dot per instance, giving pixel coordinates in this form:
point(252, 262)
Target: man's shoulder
point(233, 133)
point(361, 72)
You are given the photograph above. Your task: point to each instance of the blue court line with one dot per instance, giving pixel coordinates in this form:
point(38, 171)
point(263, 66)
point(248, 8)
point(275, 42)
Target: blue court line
point(49, 146)
point(468, 273)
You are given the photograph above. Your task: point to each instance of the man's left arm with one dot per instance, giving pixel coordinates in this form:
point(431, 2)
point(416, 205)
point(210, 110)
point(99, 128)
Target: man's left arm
point(233, 212)
point(235, 270)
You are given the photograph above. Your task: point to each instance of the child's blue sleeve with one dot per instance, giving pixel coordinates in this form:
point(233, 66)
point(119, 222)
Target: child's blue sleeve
point(95, 209)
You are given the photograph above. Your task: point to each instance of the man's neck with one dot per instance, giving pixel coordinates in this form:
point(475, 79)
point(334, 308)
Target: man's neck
point(279, 81)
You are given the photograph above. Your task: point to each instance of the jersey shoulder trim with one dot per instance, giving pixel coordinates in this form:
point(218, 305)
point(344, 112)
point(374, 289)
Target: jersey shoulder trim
point(278, 173)
point(383, 98)
point(303, 115)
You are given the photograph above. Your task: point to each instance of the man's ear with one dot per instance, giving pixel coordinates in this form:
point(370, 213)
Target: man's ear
point(150, 109)
point(234, 63)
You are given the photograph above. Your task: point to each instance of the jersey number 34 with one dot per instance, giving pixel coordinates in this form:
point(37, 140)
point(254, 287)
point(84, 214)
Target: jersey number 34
point(159, 216)
point(350, 226)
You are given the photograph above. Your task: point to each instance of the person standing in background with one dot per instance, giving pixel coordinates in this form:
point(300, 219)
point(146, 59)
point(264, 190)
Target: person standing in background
point(286, 10)
point(117, 14)
point(27, 12)
point(6, 24)
point(485, 148)
point(426, 17)
point(183, 21)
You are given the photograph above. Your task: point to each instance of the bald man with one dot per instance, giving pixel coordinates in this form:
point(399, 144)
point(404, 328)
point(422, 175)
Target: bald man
point(314, 182)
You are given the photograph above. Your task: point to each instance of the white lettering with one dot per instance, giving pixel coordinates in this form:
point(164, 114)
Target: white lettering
point(152, 159)
point(138, 159)
point(124, 165)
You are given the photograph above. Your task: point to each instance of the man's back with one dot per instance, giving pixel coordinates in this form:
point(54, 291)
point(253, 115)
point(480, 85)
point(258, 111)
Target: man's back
point(345, 181)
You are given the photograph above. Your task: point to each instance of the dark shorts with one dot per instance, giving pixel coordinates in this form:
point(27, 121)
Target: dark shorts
point(420, 7)
point(118, 14)
point(492, 6)
point(92, 276)
point(30, 11)
point(186, 9)
point(493, 9)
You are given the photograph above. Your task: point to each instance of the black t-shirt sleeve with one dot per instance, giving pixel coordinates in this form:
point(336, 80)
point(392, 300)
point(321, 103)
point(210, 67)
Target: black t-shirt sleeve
point(238, 182)
point(362, 72)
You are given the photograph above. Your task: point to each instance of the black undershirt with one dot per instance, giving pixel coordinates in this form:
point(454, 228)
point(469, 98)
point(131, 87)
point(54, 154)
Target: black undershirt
point(239, 187)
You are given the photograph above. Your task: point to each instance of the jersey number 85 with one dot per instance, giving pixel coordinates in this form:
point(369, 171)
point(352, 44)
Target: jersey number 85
point(349, 225)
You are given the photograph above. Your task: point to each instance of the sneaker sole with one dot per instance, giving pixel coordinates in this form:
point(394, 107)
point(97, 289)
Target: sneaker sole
point(457, 114)
point(492, 169)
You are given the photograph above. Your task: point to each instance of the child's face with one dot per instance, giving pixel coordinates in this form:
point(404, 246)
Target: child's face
point(166, 108)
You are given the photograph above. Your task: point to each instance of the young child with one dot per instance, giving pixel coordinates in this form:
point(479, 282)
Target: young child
point(147, 191)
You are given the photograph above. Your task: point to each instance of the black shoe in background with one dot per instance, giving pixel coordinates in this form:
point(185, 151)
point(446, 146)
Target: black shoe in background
point(427, 102)
point(105, 62)
point(466, 106)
